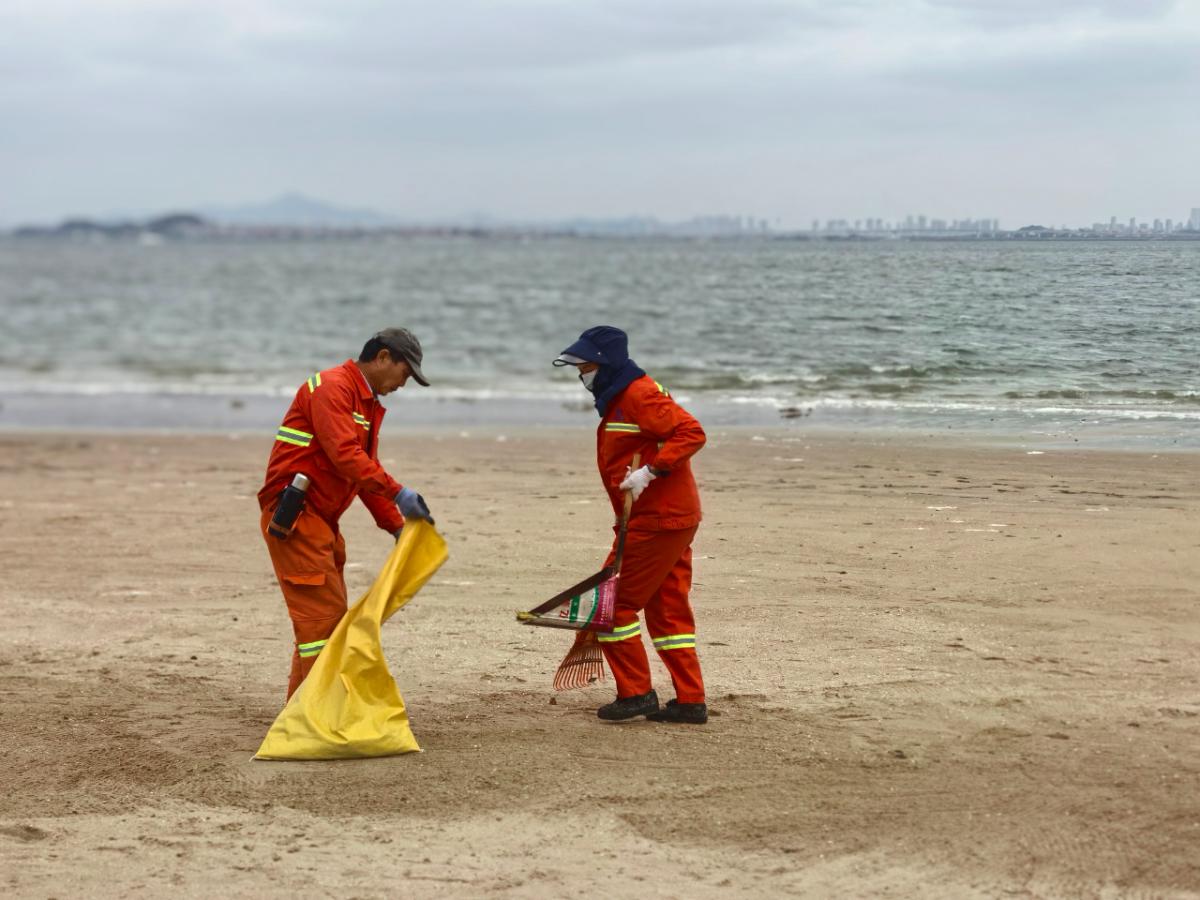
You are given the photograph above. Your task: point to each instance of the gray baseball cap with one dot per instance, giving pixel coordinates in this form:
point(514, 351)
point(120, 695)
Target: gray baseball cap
point(402, 342)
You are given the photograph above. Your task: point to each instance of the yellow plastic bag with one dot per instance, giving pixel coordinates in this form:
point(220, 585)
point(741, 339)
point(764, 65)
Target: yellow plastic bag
point(349, 705)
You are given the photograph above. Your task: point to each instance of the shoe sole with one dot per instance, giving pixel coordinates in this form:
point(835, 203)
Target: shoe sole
point(625, 718)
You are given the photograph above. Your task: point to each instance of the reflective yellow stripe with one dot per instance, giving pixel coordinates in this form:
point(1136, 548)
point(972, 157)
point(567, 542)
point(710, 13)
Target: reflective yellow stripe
point(312, 648)
point(630, 427)
point(633, 629)
point(314, 382)
point(362, 420)
point(662, 390)
point(293, 436)
point(674, 641)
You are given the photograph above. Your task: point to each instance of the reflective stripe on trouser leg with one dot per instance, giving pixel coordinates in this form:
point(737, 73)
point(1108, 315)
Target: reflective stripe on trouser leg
point(674, 642)
point(312, 648)
point(649, 558)
point(626, 655)
point(620, 633)
point(304, 659)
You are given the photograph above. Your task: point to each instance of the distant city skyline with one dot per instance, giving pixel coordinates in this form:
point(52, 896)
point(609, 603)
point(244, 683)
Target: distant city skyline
point(922, 223)
point(296, 207)
point(299, 211)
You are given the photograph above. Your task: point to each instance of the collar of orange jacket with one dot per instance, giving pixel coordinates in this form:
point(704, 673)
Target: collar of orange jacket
point(364, 387)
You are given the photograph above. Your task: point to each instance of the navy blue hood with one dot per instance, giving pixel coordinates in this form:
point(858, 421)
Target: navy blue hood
point(609, 348)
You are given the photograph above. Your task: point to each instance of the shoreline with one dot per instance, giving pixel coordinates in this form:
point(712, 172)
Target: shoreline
point(914, 439)
point(186, 413)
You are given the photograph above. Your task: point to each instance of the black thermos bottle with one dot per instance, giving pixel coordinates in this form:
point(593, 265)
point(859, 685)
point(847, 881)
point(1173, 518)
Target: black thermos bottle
point(288, 510)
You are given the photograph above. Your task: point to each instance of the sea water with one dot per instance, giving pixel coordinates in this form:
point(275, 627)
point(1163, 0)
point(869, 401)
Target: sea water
point(1032, 338)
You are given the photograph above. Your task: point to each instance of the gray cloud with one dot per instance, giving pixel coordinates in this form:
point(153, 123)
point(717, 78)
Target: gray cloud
point(548, 109)
point(1022, 13)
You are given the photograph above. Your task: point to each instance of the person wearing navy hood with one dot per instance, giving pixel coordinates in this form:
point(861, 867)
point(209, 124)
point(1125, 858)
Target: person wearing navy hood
point(639, 416)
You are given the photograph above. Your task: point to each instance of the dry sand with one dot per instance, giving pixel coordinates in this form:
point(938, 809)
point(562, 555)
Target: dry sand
point(935, 671)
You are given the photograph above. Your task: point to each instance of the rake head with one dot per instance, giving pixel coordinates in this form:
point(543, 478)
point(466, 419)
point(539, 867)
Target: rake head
point(583, 664)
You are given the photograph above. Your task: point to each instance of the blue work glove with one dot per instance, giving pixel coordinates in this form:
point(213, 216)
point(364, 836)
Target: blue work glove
point(412, 505)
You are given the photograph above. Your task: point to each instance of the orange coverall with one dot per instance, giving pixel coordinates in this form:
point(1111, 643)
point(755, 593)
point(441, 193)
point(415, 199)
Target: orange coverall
point(331, 434)
point(656, 572)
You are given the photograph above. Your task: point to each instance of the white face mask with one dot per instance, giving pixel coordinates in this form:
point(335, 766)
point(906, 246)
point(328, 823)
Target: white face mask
point(588, 378)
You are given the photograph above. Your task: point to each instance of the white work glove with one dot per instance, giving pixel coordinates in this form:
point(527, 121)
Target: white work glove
point(636, 482)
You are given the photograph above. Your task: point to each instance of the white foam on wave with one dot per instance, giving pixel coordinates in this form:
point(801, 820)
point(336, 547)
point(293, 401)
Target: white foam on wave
point(241, 388)
point(986, 406)
point(567, 391)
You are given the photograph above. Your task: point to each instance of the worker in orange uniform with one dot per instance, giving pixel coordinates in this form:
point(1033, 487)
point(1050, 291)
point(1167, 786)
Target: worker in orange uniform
point(331, 434)
point(638, 416)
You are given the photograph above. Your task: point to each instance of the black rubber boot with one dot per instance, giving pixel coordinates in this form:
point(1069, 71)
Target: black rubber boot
point(685, 713)
point(628, 707)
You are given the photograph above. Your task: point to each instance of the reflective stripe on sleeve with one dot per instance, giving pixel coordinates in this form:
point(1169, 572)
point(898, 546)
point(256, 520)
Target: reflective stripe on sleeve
point(362, 420)
point(293, 436)
point(312, 648)
point(622, 633)
point(314, 382)
point(628, 427)
point(674, 642)
point(662, 390)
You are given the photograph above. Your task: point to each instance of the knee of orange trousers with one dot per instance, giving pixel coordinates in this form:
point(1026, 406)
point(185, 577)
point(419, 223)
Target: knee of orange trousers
point(630, 665)
point(651, 558)
point(669, 611)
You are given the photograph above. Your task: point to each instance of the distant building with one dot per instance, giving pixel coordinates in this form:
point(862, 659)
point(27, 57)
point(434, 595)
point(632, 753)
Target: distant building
point(1194, 221)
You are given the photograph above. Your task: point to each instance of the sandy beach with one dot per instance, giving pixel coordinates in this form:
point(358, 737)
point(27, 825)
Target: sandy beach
point(935, 670)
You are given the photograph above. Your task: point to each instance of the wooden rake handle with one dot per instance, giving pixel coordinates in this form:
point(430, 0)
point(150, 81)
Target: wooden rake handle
point(633, 467)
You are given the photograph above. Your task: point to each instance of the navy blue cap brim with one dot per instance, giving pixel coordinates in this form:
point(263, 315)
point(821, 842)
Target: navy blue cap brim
point(585, 350)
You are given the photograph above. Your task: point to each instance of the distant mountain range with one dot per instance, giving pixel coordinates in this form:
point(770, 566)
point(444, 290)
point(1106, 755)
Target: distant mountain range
point(298, 211)
point(294, 210)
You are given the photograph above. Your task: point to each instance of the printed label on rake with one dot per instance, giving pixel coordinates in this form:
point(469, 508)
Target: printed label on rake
point(593, 608)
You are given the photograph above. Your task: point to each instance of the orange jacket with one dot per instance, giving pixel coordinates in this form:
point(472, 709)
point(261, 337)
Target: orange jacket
point(331, 434)
point(644, 419)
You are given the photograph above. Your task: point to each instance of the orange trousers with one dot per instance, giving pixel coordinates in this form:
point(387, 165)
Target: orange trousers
point(309, 564)
point(656, 576)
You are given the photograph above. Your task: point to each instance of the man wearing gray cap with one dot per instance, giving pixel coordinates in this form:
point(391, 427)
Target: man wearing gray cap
point(326, 453)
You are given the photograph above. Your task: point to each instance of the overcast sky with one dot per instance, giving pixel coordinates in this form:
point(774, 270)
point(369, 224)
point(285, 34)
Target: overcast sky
point(1047, 111)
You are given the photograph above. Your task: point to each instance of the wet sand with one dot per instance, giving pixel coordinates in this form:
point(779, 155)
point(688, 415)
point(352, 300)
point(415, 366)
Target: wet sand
point(936, 670)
